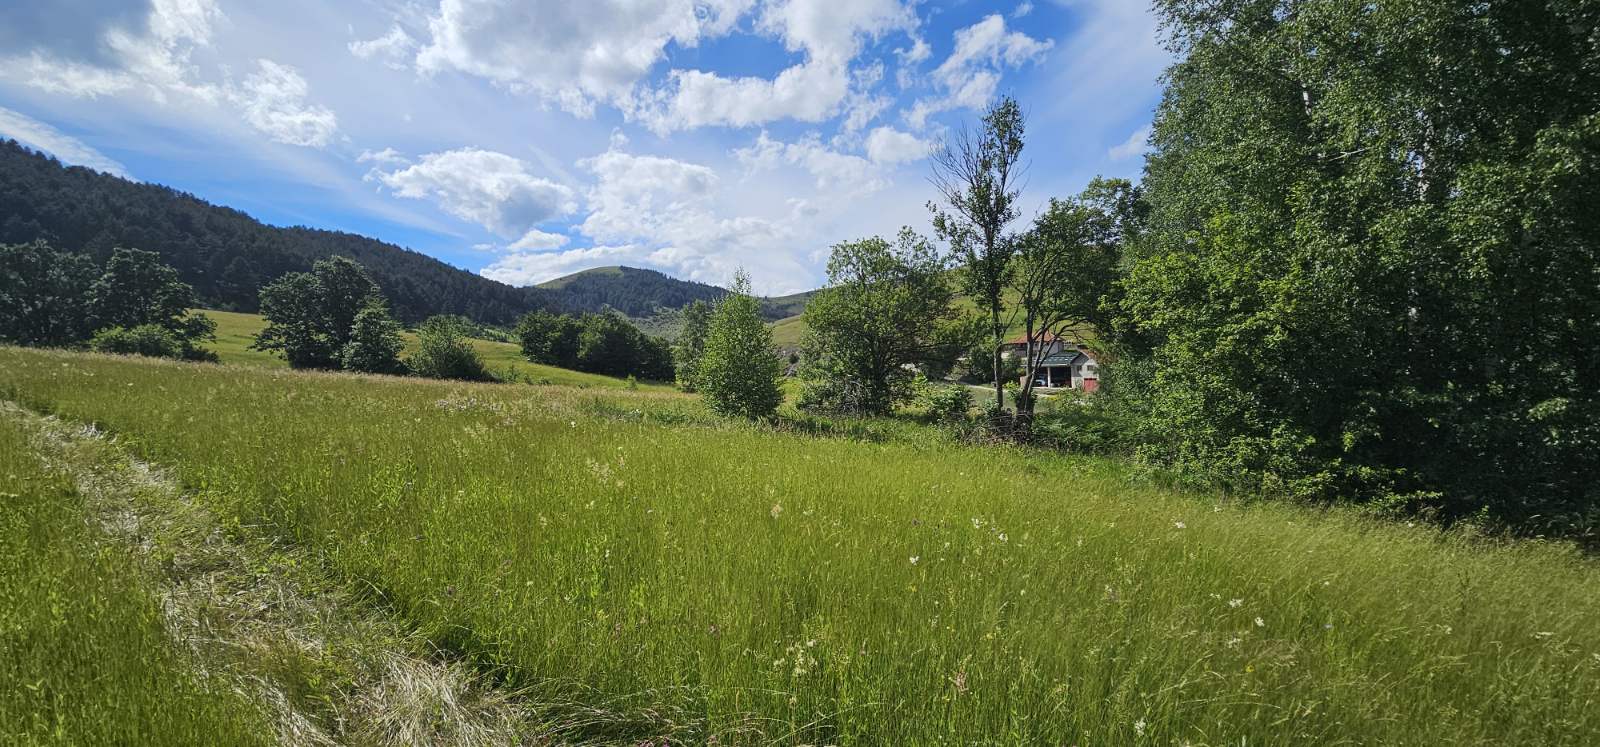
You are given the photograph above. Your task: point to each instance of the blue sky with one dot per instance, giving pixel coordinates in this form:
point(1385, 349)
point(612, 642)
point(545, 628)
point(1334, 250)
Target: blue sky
point(525, 139)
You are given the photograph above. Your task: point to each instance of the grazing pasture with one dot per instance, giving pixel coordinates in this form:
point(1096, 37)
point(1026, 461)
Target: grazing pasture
point(637, 569)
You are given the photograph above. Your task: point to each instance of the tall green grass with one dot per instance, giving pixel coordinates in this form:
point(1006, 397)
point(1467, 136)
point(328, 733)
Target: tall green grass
point(84, 659)
point(652, 570)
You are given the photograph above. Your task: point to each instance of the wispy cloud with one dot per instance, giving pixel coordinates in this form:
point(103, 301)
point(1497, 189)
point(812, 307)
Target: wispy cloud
point(1136, 145)
point(42, 137)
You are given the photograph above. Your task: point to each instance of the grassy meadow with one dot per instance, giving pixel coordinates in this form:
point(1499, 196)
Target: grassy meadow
point(83, 655)
point(237, 331)
point(638, 569)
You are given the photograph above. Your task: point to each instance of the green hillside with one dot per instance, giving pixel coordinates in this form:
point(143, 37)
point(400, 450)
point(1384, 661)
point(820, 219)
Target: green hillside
point(633, 292)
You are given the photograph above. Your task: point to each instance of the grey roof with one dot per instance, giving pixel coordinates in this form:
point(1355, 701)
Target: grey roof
point(1063, 358)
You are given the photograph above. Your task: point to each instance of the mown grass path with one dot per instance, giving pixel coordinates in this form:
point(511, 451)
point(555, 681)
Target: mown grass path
point(261, 619)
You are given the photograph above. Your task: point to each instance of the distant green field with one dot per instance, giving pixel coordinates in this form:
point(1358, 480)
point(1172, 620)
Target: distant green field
point(638, 569)
point(236, 331)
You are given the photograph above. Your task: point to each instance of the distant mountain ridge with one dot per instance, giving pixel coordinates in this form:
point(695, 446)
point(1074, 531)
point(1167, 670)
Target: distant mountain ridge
point(227, 255)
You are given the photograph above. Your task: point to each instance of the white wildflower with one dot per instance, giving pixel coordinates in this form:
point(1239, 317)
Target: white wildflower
point(1260, 623)
point(915, 558)
point(1180, 525)
point(1235, 603)
point(1138, 727)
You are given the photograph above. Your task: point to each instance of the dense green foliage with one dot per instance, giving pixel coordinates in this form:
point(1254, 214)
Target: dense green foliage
point(883, 312)
point(1373, 261)
point(640, 569)
point(444, 351)
point(629, 290)
point(311, 318)
point(135, 306)
point(151, 340)
point(602, 343)
point(84, 655)
point(375, 343)
point(44, 295)
point(691, 345)
point(739, 369)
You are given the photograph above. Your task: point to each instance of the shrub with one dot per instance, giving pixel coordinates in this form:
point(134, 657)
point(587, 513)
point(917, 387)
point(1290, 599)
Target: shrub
point(150, 340)
point(947, 403)
point(444, 351)
point(156, 341)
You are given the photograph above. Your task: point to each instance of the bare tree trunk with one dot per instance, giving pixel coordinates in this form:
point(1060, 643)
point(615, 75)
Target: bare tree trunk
point(999, 337)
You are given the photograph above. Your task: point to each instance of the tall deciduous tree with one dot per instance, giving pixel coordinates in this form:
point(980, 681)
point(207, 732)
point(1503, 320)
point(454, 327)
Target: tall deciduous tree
point(1066, 269)
point(44, 295)
point(692, 345)
point(375, 343)
point(137, 291)
point(882, 310)
point(311, 315)
point(739, 371)
point(977, 175)
point(550, 339)
point(1374, 228)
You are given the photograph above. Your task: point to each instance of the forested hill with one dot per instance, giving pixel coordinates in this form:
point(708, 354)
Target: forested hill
point(225, 254)
point(630, 290)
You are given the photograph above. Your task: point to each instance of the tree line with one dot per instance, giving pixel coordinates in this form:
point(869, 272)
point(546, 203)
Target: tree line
point(1362, 264)
point(604, 343)
point(133, 304)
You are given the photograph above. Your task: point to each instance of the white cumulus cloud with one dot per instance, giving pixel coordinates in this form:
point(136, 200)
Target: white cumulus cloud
point(491, 189)
point(834, 172)
point(888, 145)
point(154, 55)
point(532, 268)
point(394, 48)
point(572, 53)
point(273, 100)
point(830, 35)
point(970, 75)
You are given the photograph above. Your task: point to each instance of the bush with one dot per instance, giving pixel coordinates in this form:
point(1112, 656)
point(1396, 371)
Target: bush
point(1082, 424)
point(150, 340)
point(153, 340)
point(947, 404)
point(444, 351)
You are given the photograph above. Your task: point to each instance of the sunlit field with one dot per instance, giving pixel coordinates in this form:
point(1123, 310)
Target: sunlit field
point(83, 656)
point(236, 332)
point(637, 569)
